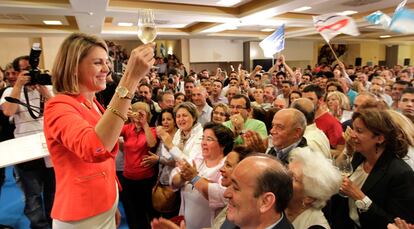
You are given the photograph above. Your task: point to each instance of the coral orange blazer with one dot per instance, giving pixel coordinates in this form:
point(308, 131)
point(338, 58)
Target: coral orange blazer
point(85, 172)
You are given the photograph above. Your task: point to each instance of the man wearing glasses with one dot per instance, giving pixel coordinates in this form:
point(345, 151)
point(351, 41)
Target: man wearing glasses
point(240, 122)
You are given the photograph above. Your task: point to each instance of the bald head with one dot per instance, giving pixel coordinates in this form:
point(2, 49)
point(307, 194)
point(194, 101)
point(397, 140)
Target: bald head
point(307, 108)
point(363, 99)
point(288, 127)
point(198, 96)
point(270, 176)
point(297, 119)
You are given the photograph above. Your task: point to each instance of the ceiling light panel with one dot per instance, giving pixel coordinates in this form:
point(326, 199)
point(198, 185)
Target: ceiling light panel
point(303, 8)
point(52, 22)
point(228, 2)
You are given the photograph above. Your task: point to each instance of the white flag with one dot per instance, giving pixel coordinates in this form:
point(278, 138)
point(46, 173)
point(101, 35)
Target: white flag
point(331, 25)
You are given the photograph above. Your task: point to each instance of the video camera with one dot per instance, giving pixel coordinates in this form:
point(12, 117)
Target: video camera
point(36, 75)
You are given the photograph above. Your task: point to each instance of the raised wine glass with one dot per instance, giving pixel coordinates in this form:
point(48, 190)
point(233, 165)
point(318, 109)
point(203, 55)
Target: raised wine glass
point(147, 31)
point(345, 167)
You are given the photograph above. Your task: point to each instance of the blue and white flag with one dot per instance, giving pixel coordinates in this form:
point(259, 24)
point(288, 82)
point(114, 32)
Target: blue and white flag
point(379, 18)
point(401, 5)
point(402, 21)
point(274, 43)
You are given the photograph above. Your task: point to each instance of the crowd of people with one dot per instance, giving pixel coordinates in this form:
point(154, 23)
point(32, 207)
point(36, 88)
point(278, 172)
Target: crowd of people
point(239, 149)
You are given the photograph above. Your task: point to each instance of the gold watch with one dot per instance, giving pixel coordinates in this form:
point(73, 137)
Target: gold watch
point(123, 93)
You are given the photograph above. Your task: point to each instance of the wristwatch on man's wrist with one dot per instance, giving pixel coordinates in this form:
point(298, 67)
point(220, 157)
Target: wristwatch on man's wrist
point(364, 204)
point(123, 93)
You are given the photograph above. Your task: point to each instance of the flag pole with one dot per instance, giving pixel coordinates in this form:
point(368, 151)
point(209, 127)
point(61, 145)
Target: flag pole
point(333, 51)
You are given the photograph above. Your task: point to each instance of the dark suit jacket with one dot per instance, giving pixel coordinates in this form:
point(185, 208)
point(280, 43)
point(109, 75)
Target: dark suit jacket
point(390, 186)
point(284, 158)
point(283, 224)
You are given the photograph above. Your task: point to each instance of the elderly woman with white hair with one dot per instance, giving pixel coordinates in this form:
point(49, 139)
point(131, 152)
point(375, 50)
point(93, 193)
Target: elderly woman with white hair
point(315, 180)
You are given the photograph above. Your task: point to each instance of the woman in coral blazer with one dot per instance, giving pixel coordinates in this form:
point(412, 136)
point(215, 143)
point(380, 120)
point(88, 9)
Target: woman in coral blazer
point(81, 136)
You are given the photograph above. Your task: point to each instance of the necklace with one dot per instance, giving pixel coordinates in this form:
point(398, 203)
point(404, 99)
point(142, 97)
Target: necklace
point(87, 104)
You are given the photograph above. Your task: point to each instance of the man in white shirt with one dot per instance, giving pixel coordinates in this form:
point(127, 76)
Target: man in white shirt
point(37, 180)
point(315, 138)
point(198, 97)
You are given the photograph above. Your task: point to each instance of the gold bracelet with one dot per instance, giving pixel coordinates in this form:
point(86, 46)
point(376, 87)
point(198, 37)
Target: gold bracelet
point(117, 113)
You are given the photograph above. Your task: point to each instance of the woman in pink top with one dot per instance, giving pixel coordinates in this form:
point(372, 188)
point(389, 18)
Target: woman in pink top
point(139, 177)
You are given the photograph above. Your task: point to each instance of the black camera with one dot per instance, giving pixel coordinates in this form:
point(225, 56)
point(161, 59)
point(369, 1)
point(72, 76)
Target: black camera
point(36, 75)
point(138, 98)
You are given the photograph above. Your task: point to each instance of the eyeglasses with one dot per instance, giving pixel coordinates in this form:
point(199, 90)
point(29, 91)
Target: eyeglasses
point(208, 139)
point(236, 107)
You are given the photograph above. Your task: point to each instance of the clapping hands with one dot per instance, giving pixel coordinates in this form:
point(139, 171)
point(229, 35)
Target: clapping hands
point(187, 171)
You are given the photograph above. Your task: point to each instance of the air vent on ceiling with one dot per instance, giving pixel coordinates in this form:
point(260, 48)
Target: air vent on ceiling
point(359, 2)
point(17, 17)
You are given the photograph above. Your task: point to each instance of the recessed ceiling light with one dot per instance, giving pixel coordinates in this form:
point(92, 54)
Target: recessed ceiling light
point(231, 27)
point(90, 13)
point(267, 30)
point(303, 8)
point(347, 12)
point(228, 2)
point(125, 24)
point(52, 22)
point(385, 36)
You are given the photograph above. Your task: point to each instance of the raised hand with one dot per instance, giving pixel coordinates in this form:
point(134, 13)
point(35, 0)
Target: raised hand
point(22, 78)
point(282, 59)
point(187, 171)
point(162, 223)
point(258, 68)
point(350, 189)
point(238, 122)
point(253, 141)
point(140, 61)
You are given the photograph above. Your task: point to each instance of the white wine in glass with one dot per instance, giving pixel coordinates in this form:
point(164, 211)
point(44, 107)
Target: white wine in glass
point(344, 166)
point(147, 32)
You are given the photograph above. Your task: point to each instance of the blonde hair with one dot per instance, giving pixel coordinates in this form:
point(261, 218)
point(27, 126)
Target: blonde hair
point(73, 49)
point(343, 99)
point(405, 124)
point(142, 106)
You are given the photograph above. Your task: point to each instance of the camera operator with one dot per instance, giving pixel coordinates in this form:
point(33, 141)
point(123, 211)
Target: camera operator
point(37, 176)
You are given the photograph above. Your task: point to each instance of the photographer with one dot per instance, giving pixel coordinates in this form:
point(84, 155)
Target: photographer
point(35, 176)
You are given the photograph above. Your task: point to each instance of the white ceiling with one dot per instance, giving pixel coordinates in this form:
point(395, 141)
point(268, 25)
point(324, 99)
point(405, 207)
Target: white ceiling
point(185, 18)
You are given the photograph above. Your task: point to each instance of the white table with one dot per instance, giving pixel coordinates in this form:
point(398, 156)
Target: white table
point(23, 149)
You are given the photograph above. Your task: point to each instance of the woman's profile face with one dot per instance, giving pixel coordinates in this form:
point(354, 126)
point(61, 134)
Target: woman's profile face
point(184, 119)
point(298, 188)
point(364, 140)
point(92, 70)
point(232, 160)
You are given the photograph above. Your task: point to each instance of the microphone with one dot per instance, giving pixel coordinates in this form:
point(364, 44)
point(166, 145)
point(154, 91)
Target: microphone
point(30, 107)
